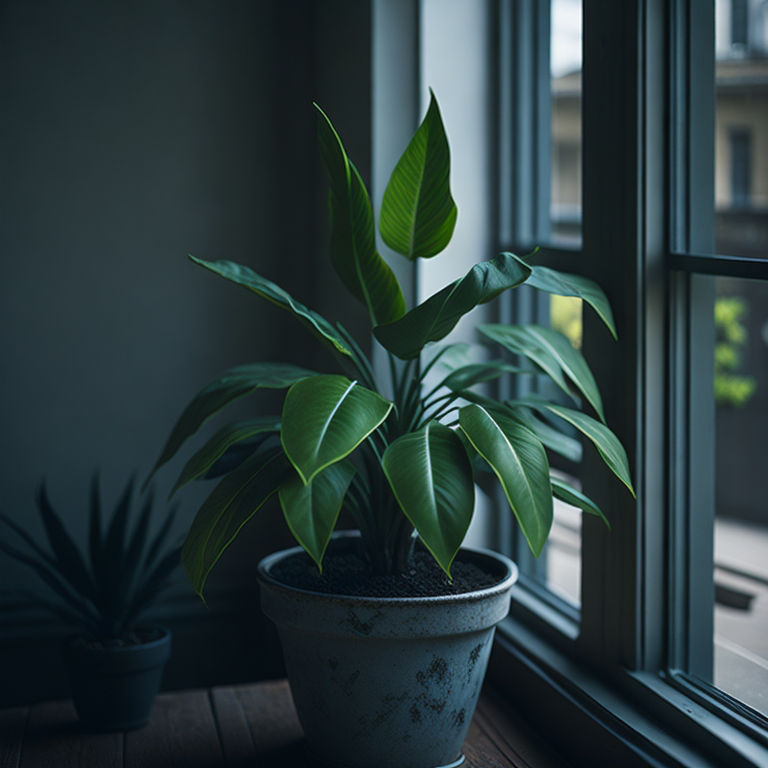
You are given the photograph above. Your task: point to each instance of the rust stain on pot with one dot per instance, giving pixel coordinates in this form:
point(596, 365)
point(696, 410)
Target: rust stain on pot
point(474, 656)
point(391, 704)
point(348, 684)
point(415, 714)
point(363, 627)
point(458, 718)
point(438, 669)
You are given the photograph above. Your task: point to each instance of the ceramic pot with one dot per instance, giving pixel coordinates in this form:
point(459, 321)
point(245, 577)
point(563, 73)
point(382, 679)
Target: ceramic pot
point(114, 688)
point(382, 682)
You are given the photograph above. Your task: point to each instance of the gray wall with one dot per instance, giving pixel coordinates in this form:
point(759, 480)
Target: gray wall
point(133, 134)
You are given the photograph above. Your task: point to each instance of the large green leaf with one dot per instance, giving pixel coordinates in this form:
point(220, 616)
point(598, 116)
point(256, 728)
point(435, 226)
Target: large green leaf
point(436, 317)
point(311, 510)
point(431, 476)
point(352, 237)
point(217, 446)
point(476, 373)
point(552, 352)
point(564, 284)
point(607, 444)
point(231, 504)
point(518, 458)
point(552, 438)
point(418, 213)
point(575, 498)
point(230, 386)
point(325, 418)
point(246, 277)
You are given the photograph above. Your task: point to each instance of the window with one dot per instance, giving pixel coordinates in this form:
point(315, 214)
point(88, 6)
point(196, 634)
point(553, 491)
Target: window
point(647, 664)
point(739, 23)
point(741, 166)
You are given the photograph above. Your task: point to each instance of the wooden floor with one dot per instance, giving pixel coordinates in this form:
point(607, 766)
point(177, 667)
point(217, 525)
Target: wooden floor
point(229, 727)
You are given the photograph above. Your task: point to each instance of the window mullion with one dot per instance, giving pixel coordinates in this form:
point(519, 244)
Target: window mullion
point(692, 466)
point(612, 247)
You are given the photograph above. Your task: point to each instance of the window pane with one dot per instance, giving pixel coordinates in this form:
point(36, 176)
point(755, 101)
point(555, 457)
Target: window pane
point(741, 149)
point(558, 568)
point(565, 68)
point(741, 526)
point(741, 355)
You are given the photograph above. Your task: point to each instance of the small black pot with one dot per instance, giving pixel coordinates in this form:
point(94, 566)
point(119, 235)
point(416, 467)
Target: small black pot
point(114, 688)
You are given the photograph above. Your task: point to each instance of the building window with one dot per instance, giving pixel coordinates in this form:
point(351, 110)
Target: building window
point(741, 166)
point(739, 23)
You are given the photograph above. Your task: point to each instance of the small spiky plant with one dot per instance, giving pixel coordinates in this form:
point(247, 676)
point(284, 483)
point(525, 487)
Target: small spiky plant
point(104, 592)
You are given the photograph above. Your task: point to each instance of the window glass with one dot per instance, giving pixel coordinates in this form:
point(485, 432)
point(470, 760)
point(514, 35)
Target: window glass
point(561, 568)
point(741, 356)
point(565, 69)
point(741, 523)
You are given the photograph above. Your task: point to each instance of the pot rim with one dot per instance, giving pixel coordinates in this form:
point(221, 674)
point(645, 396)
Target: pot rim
point(66, 644)
point(265, 578)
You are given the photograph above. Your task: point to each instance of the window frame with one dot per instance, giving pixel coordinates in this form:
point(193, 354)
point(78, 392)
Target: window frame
point(632, 662)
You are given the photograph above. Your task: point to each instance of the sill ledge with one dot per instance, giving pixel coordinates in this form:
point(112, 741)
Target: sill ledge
point(637, 720)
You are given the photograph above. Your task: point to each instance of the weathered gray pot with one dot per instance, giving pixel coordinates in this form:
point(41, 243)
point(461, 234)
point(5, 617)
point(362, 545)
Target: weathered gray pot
point(384, 682)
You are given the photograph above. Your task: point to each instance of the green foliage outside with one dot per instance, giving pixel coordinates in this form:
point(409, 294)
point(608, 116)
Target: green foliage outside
point(731, 388)
point(565, 317)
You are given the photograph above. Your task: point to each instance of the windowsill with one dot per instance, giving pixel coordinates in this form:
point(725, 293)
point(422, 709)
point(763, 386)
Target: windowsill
point(597, 722)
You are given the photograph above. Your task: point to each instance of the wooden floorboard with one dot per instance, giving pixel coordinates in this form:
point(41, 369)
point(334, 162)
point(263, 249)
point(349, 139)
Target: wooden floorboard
point(54, 737)
point(480, 751)
point(182, 733)
point(245, 726)
point(274, 725)
point(513, 736)
point(12, 724)
point(234, 732)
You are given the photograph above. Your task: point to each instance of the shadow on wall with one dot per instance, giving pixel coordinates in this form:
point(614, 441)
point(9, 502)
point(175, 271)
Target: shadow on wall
point(132, 135)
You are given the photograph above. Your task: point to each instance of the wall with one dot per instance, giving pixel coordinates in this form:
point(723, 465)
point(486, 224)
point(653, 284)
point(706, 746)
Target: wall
point(133, 134)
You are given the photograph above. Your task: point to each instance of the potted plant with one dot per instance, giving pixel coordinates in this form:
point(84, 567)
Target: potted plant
point(114, 663)
point(382, 678)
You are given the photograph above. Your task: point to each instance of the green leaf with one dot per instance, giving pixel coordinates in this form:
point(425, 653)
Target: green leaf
point(152, 585)
point(418, 214)
point(352, 235)
point(230, 386)
point(50, 575)
point(575, 498)
point(231, 504)
point(436, 317)
point(564, 284)
point(431, 476)
point(273, 293)
point(138, 539)
point(325, 418)
point(311, 510)
point(31, 543)
point(607, 444)
point(553, 353)
point(113, 551)
point(476, 373)
point(68, 558)
point(552, 438)
point(217, 446)
point(518, 458)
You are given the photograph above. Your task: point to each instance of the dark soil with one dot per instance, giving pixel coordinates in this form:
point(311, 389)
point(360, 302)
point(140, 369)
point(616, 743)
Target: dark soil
point(348, 574)
point(137, 636)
